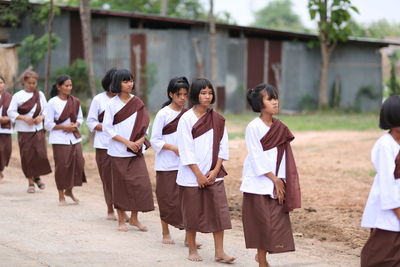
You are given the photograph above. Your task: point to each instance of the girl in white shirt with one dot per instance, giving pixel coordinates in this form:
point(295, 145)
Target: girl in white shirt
point(63, 119)
point(5, 128)
point(270, 182)
point(101, 138)
point(26, 111)
point(164, 141)
point(126, 121)
point(203, 146)
point(382, 211)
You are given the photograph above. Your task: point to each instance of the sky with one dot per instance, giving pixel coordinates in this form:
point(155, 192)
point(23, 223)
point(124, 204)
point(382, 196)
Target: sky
point(370, 10)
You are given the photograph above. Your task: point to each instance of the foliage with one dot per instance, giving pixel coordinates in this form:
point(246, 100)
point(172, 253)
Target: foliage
point(336, 94)
point(308, 103)
point(32, 51)
point(378, 29)
point(365, 92)
point(394, 82)
point(278, 14)
point(10, 16)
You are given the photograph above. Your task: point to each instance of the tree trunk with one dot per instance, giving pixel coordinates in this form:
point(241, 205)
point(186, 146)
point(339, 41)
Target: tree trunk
point(49, 48)
point(213, 47)
point(324, 76)
point(164, 8)
point(85, 15)
point(199, 58)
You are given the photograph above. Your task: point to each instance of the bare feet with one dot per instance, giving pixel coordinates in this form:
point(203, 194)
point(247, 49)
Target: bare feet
point(1, 178)
point(68, 193)
point(62, 203)
point(198, 245)
point(122, 228)
point(224, 258)
point(136, 223)
point(31, 189)
point(168, 240)
point(111, 217)
point(194, 256)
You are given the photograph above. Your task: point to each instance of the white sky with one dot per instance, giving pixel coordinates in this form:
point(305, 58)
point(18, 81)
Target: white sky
point(370, 10)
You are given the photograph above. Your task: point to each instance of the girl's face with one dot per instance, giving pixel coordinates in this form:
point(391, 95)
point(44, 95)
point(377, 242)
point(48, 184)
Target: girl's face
point(271, 106)
point(126, 86)
point(206, 96)
point(2, 84)
point(179, 98)
point(30, 84)
point(65, 88)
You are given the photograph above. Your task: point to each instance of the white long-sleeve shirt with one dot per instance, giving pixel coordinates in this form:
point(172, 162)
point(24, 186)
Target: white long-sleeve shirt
point(54, 109)
point(196, 151)
point(98, 105)
point(385, 191)
point(259, 162)
point(18, 99)
point(5, 131)
point(166, 160)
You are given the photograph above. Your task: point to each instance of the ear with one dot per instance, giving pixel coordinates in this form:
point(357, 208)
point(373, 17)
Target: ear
point(171, 95)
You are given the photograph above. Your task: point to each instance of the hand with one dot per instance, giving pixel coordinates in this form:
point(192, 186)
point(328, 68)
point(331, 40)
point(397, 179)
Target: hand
point(397, 212)
point(99, 127)
point(4, 119)
point(202, 180)
point(69, 128)
point(132, 146)
point(211, 176)
point(75, 125)
point(28, 120)
point(279, 189)
point(38, 119)
point(175, 150)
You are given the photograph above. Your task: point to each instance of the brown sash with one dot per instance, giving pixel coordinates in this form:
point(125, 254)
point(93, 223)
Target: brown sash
point(397, 168)
point(171, 127)
point(28, 105)
point(71, 111)
point(279, 136)
point(141, 123)
point(212, 120)
point(5, 101)
point(100, 117)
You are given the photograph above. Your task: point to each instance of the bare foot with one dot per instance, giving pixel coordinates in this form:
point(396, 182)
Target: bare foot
point(224, 258)
point(63, 203)
point(168, 240)
point(111, 217)
point(194, 256)
point(69, 194)
point(122, 228)
point(1, 178)
point(198, 245)
point(138, 225)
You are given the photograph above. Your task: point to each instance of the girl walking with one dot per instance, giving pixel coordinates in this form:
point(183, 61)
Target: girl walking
point(5, 128)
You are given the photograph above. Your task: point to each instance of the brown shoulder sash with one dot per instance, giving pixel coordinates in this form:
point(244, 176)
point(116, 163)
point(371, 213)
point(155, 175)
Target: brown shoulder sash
point(70, 111)
point(30, 103)
point(397, 168)
point(5, 101)
point(173, 125)
point(100, 117)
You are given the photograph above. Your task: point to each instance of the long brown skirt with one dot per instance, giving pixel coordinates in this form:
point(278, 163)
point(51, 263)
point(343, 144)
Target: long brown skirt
point(33, 151)
point(266, 225)
point(206, 209)
point(382, 249)
point(5, 150)
point(167, 192)
point(104, 166)
point(69, 163)
point(131, 184)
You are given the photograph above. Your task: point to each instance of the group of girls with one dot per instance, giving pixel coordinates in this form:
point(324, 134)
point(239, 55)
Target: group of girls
point(191, 145)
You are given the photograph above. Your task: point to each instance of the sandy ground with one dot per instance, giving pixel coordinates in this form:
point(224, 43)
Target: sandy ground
point(335, 171)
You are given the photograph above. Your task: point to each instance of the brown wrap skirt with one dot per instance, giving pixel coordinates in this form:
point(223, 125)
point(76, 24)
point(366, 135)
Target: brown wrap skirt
point(205, 209)
point(69, 165)
point(167, 192)
point(265, 224)
point(104, 166)
point(382, 249)
point(33, 151)
point(131, 184)
point(5, 150)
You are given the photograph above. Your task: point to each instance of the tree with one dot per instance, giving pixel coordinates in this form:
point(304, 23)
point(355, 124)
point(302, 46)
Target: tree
point(278, 14)
point(49, 48)
point(164, 7)
point(85, 15)
point(333, 17)
point(213, 44)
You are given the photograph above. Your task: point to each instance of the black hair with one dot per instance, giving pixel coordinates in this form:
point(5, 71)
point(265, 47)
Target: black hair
point(107, 79)
point(175, 84)
point(195, 88)
point(118, 77)
point(255, 96)
point(60, 80)
point(390, 113)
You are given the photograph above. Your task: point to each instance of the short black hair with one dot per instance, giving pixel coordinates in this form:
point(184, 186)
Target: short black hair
point(175, 84)
point(107, 79)
point(389, 116)
point(195, 88)
point(255, 96)
point(118, 77)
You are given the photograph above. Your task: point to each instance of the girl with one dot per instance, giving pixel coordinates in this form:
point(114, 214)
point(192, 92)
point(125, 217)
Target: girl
point(26, 111)
point(5, 127)
point(382, 211)
point(63, 119)
point(164, 141)
point(126, 121)
point(101, 138)
point(270, 183)
point(203, 145)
